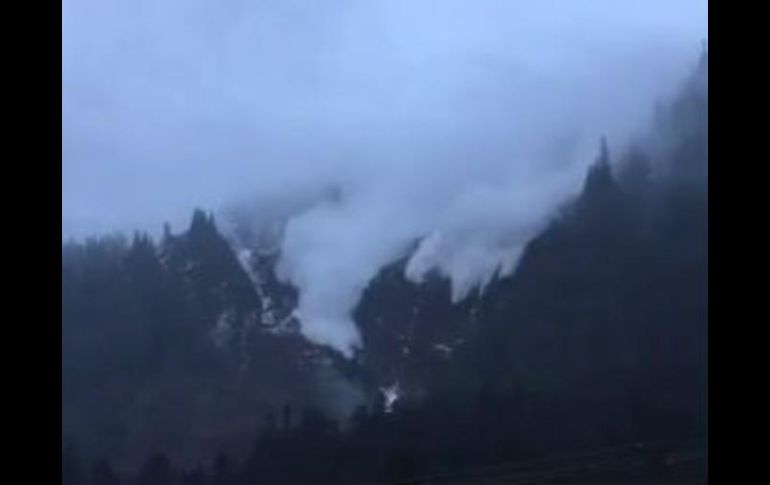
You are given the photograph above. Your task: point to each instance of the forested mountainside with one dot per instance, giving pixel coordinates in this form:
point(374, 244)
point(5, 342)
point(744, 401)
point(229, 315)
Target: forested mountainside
point(182, 360)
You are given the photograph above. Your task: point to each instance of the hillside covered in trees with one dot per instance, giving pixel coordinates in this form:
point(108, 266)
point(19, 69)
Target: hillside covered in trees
point(182, 361)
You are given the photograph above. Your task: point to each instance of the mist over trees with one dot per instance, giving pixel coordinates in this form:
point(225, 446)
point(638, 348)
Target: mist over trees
point(182, 361)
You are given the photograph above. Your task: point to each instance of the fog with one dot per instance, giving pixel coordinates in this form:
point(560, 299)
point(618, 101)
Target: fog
point(460, 123)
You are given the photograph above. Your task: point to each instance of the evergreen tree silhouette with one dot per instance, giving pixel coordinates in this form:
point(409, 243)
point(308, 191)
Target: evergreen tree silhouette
point(104, 474)
point(597, 339)
point(636, 173)
point(71, 466)
point(221, 469)
point(157, 471)
point(286, 416)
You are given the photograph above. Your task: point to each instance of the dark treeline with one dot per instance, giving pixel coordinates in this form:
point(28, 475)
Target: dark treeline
point(598, 341)
point(166, 345)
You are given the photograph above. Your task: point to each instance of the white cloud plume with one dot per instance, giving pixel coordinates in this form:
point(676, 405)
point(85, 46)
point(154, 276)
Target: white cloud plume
point(441, 119)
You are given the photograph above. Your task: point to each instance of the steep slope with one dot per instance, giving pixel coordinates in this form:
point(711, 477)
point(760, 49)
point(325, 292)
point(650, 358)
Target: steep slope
point(171, 348)
point(611, 298)
point(191, 346)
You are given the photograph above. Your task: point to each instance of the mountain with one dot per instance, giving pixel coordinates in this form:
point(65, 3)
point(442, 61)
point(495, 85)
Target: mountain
point(617, 281)
point(172, 346)
point(190, 347)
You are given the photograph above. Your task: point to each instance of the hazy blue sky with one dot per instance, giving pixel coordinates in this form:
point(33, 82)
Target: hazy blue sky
point(464, 120)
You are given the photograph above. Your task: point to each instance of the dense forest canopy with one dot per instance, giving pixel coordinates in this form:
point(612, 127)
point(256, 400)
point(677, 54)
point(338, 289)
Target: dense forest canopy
point(182, 361)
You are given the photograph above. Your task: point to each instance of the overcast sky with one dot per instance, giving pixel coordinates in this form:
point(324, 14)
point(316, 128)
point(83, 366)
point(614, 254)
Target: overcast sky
point(448, 118)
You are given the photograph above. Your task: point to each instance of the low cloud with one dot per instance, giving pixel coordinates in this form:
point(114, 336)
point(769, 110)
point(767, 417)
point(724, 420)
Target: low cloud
point(459, 123)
